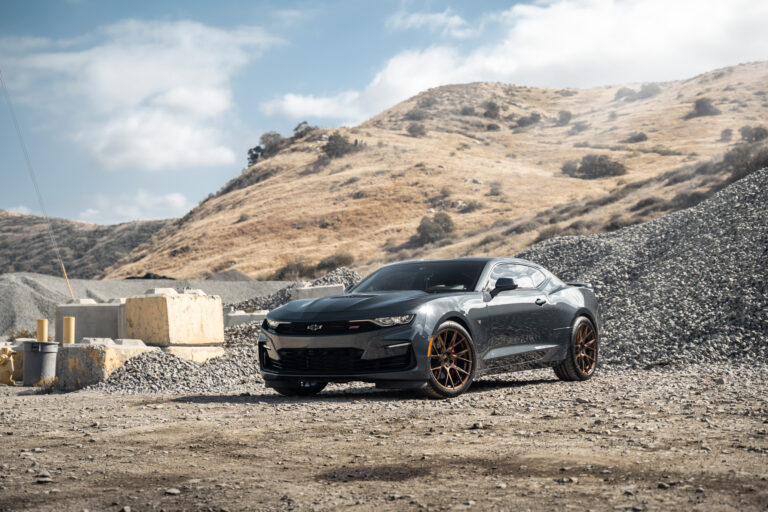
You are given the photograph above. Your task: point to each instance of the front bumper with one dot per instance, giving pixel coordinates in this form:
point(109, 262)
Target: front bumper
point(383, 355)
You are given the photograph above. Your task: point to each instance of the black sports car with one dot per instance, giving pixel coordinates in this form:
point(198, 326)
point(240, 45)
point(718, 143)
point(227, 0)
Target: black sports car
point(433, 326)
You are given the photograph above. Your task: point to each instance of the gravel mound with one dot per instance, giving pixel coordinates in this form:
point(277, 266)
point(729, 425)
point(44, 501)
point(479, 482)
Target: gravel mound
point(341, 275)
point(689, 286)
point(158, 372)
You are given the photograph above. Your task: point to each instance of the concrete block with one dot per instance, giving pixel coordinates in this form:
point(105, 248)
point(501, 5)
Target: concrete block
point(175, 319)
point(196, 354)
point(92, 320)
point(93, 360)
point(18, 358)
point(241, 317)
point(315, 292)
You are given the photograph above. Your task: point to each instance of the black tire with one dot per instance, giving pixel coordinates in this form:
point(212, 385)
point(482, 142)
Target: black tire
point(581, 361)
point(298, 387)
point(451, 365)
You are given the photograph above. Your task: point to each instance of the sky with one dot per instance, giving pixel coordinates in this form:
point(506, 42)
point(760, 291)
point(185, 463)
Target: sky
point(139, 110)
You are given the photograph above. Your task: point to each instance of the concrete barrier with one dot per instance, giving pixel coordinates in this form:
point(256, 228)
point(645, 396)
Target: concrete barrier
point(315, 292)
point(93, 360)
point(232, 317)
point(92, 320)
point(165, 318)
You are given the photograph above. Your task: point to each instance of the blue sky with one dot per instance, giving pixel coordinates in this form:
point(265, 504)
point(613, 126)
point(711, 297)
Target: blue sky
point(137, 110)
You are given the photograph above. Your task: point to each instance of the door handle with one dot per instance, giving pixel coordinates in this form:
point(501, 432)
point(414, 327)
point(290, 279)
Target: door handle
point(540, 301)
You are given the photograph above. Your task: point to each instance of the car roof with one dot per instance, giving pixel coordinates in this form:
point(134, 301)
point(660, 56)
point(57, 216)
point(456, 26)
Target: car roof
point(474, 258)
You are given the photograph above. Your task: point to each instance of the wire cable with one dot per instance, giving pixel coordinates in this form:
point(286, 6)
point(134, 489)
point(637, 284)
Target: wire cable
point(31, 171)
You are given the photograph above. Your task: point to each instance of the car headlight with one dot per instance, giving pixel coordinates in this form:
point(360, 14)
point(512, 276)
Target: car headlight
point(389, 321)
point(271, 324)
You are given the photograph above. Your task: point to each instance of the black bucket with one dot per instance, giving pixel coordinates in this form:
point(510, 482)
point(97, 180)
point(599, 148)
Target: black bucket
point(39, 361)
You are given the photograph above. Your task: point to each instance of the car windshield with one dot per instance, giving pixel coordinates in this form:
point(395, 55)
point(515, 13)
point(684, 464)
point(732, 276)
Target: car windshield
point(427, 276)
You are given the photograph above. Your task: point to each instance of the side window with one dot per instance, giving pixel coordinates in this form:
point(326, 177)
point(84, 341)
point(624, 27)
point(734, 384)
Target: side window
point(524, 276)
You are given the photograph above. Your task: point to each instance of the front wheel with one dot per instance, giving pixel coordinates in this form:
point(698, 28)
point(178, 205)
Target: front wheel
point(581, 361)
point(298, 387)
point(451, 359)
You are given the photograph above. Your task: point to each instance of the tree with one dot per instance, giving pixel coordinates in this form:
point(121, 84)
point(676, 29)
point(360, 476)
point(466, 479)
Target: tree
point(254, 154)
point(303, 129)
point(338, 146)
point(270, 142)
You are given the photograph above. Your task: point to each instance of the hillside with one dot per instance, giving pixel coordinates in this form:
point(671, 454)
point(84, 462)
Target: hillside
point(87, 249)
point(491, 157)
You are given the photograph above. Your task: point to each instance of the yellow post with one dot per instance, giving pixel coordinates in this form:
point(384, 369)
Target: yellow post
point(68, 330)
point(42, 329)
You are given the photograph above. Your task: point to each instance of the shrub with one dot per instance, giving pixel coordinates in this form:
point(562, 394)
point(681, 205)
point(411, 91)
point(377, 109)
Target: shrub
point(522, 228)
point(753, 134)
point(529, 120)
point(432, 229)
point(547, 233)
point(644, 203)
point(726, 135)
point(270, 143)
point(338, 146)
point(702, 107)
point(446, 191)
point(647, 91)
point(495, 188)
point(416, 130)
point(624, 92)
point(493, 127)
point(636, 137)
point(471, 206)
point(427, 102)
point(563, 118)
point(416, 114)
point(467, 111)
point(491, 110)
point(293, 270)
point(303, 129)
point(571, 167)
point(578, 127)
point(334, 261)
point(21, 333)
point(595, 166)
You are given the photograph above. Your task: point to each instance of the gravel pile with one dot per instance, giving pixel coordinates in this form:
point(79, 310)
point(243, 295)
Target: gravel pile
point(689, 286)
point(341, 275)
point(158, 372)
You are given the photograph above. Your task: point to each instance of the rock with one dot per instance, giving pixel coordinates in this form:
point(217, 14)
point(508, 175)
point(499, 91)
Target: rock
point(172, 491)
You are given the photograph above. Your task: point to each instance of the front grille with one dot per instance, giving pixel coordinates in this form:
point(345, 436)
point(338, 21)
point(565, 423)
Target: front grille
point(332, 361)
point(326, 328)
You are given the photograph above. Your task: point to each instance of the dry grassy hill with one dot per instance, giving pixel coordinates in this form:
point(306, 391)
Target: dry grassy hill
point(87, 249)
point(491, 157)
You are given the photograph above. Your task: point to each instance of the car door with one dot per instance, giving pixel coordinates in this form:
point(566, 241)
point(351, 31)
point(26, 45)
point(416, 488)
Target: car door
point(517, 319)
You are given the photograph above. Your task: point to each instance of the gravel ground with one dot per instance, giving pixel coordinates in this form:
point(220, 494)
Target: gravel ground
point(691, 438)
point(25, 297)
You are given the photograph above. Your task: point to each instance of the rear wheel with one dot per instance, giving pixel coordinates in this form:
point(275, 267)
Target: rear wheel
point(451, 359)
point(581, 361)
point(298, 387)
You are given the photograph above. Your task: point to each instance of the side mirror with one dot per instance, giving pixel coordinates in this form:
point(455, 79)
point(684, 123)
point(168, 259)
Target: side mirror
point(503, 284)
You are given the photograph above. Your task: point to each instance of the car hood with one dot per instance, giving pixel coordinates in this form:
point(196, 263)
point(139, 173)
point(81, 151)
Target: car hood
point(352, 306)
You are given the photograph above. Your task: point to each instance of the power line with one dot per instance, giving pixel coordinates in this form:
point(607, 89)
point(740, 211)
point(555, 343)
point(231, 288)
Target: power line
point(31, 171)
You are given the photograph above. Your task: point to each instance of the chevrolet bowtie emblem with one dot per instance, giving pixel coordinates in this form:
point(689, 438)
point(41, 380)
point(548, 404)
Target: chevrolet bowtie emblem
point(314, 327)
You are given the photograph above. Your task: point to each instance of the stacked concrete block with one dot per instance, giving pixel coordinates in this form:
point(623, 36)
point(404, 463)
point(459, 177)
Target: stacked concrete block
point(316, 292)
point(236, 317)
point(92, 360)
point(188, 324)
point(92, 320)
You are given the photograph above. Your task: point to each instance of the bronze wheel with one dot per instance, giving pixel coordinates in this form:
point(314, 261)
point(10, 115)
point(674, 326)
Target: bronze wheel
point(451, 359)
point(580, 362)
point(585, 348)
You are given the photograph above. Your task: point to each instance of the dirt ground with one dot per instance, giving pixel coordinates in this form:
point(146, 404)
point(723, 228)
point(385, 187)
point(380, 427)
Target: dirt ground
point(688, 439)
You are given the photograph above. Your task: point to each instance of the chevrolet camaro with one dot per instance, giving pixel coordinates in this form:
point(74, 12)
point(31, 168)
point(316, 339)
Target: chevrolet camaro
point(434, 326)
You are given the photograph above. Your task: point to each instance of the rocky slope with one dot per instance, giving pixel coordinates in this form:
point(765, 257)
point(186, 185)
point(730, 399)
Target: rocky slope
point(87, 249)
point(491, 158)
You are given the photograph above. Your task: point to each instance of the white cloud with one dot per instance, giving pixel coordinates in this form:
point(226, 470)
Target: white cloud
point(447, 23)
point(141, 205)
point(562, 43)
point(142, 94)
point(20, 209)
